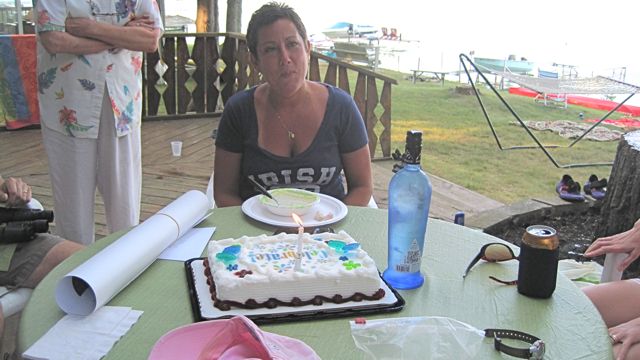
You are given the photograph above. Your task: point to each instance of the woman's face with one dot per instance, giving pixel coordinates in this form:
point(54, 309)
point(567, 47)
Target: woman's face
point(282, 56)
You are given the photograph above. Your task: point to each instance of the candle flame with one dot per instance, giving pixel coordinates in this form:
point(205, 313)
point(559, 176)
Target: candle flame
point(297, 219)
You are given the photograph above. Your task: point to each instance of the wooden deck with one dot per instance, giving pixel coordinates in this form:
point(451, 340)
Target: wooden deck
point(166, 177)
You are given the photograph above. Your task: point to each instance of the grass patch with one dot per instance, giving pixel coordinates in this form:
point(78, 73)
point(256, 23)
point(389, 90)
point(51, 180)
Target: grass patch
point(458, 144)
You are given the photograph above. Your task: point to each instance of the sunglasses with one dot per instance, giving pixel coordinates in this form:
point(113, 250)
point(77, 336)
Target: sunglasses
point(492, 252)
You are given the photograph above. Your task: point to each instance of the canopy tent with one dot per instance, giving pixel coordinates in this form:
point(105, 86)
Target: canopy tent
point(593, 85)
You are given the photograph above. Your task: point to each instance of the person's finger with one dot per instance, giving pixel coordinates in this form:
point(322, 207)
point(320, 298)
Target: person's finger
point(593, 249)
point(598, 243)
point(629, 259)
point(597, 249)
point(621, 349)
point(11, 186)
point(3, 197)
point(21, 197)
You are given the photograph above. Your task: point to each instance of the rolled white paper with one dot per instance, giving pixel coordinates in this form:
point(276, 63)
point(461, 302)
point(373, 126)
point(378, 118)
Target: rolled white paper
point(610, 270)
point(96, 281)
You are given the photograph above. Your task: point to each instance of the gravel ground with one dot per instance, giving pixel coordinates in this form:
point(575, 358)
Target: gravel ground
point(576, 232)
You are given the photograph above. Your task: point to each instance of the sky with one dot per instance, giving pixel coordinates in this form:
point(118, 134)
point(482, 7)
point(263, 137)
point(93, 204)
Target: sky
point(591, 35)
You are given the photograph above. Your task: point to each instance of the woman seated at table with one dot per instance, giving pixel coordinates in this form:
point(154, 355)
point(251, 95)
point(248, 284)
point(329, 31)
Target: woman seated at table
point(617, 301)
point(289, 131)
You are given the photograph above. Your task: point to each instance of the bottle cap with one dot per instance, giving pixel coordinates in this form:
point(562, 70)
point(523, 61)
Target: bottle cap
point(413, 147)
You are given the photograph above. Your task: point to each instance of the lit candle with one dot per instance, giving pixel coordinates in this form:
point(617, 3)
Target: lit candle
point(298, 263)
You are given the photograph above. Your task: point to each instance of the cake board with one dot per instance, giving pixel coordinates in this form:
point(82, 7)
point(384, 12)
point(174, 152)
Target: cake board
point(203, 309)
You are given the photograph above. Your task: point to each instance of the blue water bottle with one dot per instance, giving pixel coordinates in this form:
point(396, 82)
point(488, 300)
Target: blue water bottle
point(409, 200)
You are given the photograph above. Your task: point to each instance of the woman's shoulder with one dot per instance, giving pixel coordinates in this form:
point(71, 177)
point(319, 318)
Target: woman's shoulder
point(333, 90)
point(336, 96)
point(241, 98)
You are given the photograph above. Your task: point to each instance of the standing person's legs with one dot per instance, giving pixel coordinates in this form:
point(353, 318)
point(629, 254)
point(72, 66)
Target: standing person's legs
point(119, 171)
point(72, 163)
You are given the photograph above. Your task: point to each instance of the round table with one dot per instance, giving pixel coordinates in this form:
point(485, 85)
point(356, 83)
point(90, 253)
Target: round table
point(568, 322)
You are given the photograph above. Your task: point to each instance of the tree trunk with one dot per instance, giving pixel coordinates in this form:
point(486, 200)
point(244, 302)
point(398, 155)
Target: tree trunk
point(234, 16)
point(621, 206)
point(214, 22)
point(207, 16)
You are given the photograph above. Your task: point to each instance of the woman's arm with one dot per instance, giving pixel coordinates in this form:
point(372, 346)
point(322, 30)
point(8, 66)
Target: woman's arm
point(138, 35)
point(357, 169)
point(226, 178)
point(58, 42)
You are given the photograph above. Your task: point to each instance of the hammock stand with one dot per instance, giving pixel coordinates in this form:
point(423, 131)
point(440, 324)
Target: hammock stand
point(546, 86)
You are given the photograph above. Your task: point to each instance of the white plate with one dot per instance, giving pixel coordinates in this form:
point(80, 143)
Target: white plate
point(328, 204)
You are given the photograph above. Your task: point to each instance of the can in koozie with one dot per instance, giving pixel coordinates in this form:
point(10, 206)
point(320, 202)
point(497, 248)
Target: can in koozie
point(538, 269)
point(459, 218)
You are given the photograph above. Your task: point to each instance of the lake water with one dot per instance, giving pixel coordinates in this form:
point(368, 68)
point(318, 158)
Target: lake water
point(592, 37)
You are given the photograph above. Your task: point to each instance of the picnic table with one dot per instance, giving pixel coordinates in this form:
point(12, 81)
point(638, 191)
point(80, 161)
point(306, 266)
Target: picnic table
point(438, 75)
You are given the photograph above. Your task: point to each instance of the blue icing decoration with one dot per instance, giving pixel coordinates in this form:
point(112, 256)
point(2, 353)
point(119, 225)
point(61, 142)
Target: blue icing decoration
point(344, 258)
point(232, 267)
point(350, 247)
point(233, 249)
point(336, 244)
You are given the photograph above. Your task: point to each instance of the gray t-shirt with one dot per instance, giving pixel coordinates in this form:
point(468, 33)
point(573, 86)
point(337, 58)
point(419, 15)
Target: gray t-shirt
point(318, 168)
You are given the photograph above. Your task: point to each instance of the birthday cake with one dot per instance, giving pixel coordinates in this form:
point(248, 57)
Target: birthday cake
point(266, 271)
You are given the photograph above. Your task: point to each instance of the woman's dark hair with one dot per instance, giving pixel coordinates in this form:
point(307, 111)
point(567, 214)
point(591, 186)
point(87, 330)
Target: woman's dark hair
point(267, 15)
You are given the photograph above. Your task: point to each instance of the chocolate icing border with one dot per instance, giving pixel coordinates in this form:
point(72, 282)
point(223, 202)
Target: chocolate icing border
point(271, 303)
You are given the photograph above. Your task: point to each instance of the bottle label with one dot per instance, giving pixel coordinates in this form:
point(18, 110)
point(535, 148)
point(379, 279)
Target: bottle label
point(412, 259)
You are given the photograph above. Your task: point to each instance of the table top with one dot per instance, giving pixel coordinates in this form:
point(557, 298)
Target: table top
point(568, 322)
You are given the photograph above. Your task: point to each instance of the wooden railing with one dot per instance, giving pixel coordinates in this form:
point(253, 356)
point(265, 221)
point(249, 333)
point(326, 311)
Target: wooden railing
point(203, 70)
point(9, 20)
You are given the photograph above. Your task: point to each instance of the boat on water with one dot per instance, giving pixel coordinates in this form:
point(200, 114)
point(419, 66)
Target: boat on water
point(511, 65)
point(547, 74)
point(347, 29)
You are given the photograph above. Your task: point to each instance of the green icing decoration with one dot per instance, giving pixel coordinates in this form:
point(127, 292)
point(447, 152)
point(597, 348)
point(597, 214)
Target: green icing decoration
point(350, 265)
point(226, 258)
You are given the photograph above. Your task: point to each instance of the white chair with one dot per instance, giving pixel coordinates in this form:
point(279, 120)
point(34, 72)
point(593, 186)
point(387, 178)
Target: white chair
point(212, 202)
point(372, 203)
point(14, 300)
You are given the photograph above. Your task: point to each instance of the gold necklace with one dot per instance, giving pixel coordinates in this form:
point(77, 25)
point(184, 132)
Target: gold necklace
point(290, 133)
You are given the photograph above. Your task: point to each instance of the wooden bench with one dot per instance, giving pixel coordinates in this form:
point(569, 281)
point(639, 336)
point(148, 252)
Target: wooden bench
point(355, 53)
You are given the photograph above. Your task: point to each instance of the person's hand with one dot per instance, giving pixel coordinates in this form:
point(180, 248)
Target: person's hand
point(79, 26)
point(623, 336)
point(141, 21)
point(626, 242)
point(14, 192)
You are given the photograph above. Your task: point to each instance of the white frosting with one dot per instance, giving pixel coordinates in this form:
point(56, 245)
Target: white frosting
point(331, 264)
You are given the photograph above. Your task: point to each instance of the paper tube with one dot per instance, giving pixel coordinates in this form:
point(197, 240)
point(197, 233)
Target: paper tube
point(610, 270)
point(92, 284)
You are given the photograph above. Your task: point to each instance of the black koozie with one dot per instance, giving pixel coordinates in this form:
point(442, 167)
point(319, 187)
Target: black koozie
point(537, 271)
